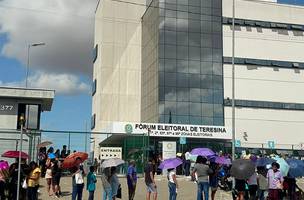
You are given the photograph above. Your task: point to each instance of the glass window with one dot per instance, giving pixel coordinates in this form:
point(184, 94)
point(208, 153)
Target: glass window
point(170, 65)
point(194, 9)
point(161, 107)
point(170, 93)
point(182, 25)
point(194, 39)
point(218, 110)
point(170, 23)
point(194, 80)
point(195, 120)
point(218, 96)
point(161, 65)
point(182, 94)
point(170, 107)
point(216, 3)
point(161, 118)
point(206, 68)
point(216, 27)
point(207, 110)
point(206, 54)
point(218, 121)
point(206, 81)
point(170, 37)
point(182, 119)
point(206, 26)
point(161, 93)
point(216, 12)
point(194, 67)
point(170, 51)
point(217, 68)
point(182, 2)
point(182, 52)
point(217, 19)
point(161, 52)
point(182, 66)
point(217, 55)
point(161, 37)
point(161, 78)
point(217, 82)
point(217, 41)
point(195, 95)
point(182, 38)
point(170, 79)
point(194, 3)
point(182, 11)
point(207, 3)
point(182, 108)
point(206, 40)
point(182, 80)
point(194, 26)
point(194, 16)
point(195, 109)
point(206, 95)
point(194, 53)
point(207, 120)
point(170, 10)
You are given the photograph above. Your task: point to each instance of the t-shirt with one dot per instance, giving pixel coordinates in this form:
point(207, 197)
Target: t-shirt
point(263, 185)
point(132, 173)
point(253, 179)
point(148, 169)
point(274, 178)
point(202, 172)
point(91, 182)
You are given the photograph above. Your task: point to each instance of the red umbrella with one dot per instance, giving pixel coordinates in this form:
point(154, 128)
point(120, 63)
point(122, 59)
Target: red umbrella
point(14, 154)
point(70, 161)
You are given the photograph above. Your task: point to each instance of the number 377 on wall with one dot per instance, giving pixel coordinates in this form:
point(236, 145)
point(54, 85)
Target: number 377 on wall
point(6, 107)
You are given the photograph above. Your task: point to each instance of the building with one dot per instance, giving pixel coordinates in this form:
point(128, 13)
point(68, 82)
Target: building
point(169, 61)
point(15, 102)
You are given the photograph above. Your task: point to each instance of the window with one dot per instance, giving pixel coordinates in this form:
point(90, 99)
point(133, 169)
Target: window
point(94, 85)
point(95, 53)
point(93, 118)
point(31, 114)
point(170, 93)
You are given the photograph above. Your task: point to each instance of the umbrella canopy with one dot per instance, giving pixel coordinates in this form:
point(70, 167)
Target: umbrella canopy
point(44, 144)
point(222, 160)
point(170, 163)
point(284, 167)
point(70, 161)
point(112, 162)
point(14, 154)
point(262, 162)
point(296, 168)
point(242, 169)
point(202, 152)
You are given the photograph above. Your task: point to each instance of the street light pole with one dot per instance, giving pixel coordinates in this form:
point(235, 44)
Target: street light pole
point(28, 59)
point(233, 83)
point(21, 121)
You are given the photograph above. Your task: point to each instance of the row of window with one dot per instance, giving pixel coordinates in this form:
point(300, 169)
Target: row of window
point(263, 24)
point(194, 120)
point(195, 3)
point(265, 104)
point(261, 62)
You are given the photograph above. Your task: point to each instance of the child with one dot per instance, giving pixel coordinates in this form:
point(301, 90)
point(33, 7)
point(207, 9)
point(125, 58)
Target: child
point(91, 184)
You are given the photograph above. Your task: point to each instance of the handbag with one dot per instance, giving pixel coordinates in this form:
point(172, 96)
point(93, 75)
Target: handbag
point(24, 184)
point(118, 195)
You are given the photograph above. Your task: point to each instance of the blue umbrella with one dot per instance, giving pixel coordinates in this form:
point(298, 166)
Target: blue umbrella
point(296, 168)
point(284, 167)
point(261, 162)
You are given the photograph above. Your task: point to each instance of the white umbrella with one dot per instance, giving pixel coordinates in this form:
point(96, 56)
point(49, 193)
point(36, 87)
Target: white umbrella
point(112, 162)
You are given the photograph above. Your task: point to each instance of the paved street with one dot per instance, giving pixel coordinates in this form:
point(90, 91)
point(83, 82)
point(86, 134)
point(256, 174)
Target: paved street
point(187, 190)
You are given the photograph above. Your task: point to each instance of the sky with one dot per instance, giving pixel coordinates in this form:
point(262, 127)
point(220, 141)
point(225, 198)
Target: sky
point(64, 63)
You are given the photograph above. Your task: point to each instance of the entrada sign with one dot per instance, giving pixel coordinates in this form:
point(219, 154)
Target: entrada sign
point(171, 130)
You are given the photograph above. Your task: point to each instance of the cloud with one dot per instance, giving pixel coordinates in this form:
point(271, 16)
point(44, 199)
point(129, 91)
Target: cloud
point(66, 84)
point(66, 26)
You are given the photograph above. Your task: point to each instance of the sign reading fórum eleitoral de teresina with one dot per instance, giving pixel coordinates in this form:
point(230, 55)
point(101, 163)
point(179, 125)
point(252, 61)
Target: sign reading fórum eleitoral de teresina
point(172, 130)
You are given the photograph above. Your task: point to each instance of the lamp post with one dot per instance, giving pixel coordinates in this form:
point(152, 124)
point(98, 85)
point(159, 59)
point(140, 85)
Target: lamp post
point(28, 59)
point(21, 121)
point(233, 80)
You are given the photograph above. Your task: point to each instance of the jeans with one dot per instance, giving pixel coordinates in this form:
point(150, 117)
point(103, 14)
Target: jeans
point(91, 195)
point(187, 167)
point(260, 194)
point(2, 187)
point(107, 193)
point(202, 187)
point(32, 193)
point(172, 191)
point(77, 191)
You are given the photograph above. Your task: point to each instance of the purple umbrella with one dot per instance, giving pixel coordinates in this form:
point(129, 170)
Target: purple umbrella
point(222, 160)
point(170, 163)
point(202, 152)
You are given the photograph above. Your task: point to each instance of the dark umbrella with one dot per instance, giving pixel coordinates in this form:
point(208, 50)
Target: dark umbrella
point(202, 152)
point(262, 162)
point(170, 163)
point(242, 169)
point(296, 168)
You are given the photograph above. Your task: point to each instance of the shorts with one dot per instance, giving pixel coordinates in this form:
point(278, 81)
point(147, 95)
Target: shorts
point(56, 180)
point(213, 189)
point(151, 188)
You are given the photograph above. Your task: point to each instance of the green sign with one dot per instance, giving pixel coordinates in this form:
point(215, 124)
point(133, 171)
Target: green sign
point(237, 143)
point(128, 128)
point(182, 140)
point(271, 144)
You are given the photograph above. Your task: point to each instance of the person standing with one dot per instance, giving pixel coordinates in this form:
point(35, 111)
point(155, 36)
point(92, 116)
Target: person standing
point(187, 164)
point(48, 177)
point(262, 183)
point(114, 182)
point(77, 180)
point(33, 181)
point(202, 170)
point(253, 186)
point(149, 180)
point(56, 174)
point(107, 189)
point(2, 186)
point(172, 184)
point(213, 179)
point(91, 183)
point(131, 179)
point(275, 181)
